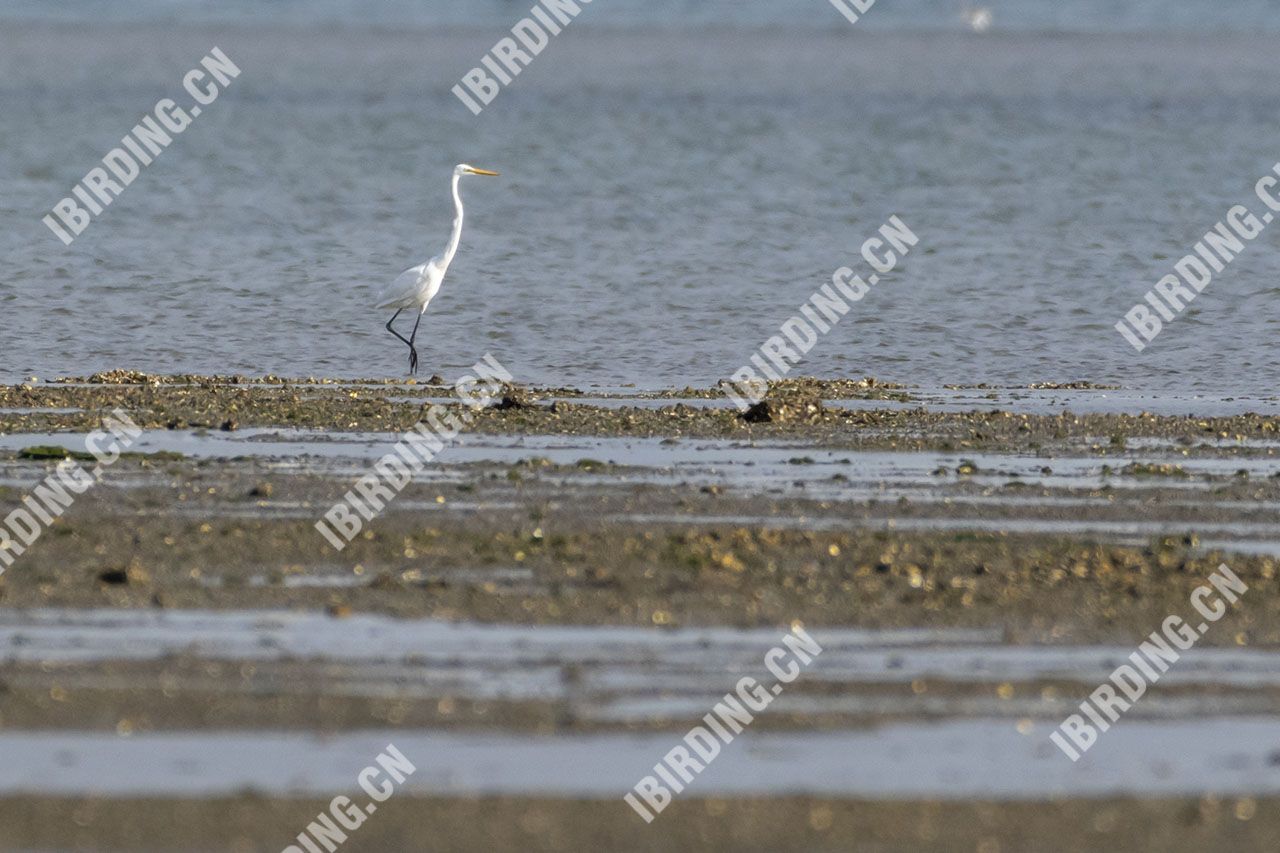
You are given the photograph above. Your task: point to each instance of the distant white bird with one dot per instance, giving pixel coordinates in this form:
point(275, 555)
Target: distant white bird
point(979, 18)
point(415, 288)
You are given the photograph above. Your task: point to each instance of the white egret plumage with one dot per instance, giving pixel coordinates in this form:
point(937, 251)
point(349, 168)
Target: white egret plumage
point(416, 287)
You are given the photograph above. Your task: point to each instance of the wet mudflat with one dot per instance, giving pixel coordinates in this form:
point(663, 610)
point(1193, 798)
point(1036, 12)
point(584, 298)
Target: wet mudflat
point(746, 823)
point(861, 414)
point(546, 609)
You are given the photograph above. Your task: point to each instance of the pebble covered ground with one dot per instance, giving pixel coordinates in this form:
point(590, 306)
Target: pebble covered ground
point(973, 541)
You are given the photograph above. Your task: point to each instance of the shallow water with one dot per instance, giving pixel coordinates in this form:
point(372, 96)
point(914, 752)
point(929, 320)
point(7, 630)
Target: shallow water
point(87, 635)
point(954, 760)
point(1068, 494)
point(1056, 402)
point(955, 741)
point(749, 464)
point(1059, 15)
point(898, 655)
point(625, 673)
point(671, 192)
point(1199, 729)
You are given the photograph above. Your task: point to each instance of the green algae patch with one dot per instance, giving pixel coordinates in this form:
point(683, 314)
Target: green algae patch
point(53, 451)
point(1154, 469)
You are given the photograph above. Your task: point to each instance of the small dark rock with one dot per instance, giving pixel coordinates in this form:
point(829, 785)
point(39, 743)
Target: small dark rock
point(784, 410)
point(514, 397)
point(130, 574)
point(510, 401)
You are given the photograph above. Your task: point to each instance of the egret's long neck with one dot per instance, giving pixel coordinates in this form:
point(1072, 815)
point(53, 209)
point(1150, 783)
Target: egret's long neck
point(456, 237)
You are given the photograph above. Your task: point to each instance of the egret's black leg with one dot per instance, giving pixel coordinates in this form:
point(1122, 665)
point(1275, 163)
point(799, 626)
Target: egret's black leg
point(393, 331)
point(413, 352)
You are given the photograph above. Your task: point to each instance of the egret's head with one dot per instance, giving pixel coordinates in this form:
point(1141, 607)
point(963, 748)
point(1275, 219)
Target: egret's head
point(464, 169)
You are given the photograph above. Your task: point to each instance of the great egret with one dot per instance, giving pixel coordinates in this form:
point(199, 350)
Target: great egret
point(415, 288)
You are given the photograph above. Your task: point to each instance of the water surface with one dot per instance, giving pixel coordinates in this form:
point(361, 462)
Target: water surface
point(678, 178)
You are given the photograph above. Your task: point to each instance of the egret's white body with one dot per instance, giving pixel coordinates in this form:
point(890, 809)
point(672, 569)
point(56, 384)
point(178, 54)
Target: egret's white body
point(416, 287)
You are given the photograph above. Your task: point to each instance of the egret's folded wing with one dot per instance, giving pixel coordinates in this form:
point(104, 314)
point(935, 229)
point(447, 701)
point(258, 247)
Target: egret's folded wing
point(403, 292)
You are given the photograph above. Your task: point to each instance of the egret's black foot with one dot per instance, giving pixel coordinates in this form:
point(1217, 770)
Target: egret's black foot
point(413, 362)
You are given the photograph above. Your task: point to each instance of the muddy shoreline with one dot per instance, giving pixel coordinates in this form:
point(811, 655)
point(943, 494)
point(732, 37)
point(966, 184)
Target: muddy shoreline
point(183, 533)
point(1041, 543)
point(803, 410)
point(250, 823)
